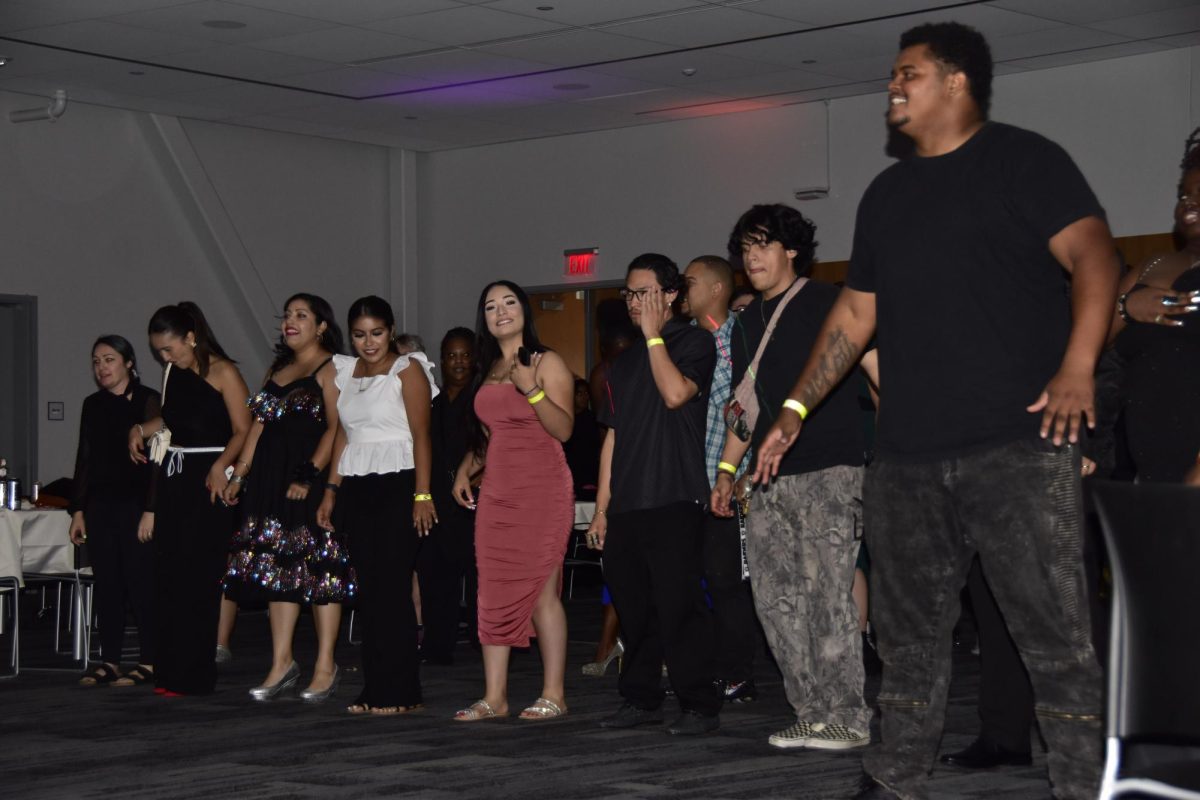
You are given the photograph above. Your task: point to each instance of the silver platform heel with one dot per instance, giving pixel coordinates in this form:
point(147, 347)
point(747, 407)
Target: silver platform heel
point(265, 693)
point(311, 696)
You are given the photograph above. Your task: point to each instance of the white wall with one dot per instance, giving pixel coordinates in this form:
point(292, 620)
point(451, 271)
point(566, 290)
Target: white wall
point(95, 223)
point(510, 210)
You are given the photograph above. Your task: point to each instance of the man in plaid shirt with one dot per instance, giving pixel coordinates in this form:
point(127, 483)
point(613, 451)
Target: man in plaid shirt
point(709, 288)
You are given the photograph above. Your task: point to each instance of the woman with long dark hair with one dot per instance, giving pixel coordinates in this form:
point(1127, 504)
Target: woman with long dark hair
point(204, 408)
point(108, 498)
point(383, 453)
point(279, 547)
point(523, 410)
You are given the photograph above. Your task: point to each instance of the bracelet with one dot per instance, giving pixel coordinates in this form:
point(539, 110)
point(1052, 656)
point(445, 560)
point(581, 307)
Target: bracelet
point(726, 467)
point(333, 487)
point(537, 398)
point(600, 512)
point(422, 497)
point(656, 340)
point(239, 479)
point(797, 406)
point(1121, 310)
point(526, 392)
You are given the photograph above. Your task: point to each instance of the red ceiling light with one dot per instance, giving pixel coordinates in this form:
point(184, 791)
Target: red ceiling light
point(580, 263)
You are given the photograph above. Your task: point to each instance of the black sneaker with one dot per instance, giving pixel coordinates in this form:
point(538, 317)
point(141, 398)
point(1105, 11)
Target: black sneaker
point(693, 723)
point(630, 716)
point(738, 691)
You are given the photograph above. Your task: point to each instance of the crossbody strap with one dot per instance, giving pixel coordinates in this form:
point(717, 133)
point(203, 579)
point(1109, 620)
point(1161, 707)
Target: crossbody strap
point(792, 291)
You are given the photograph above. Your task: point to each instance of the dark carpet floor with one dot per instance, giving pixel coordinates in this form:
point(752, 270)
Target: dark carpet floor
point(58, 740)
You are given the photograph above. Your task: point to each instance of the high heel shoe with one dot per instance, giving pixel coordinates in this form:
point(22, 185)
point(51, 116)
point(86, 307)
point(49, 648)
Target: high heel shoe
point(264, 693)
point(314, 696)
point(596, 669)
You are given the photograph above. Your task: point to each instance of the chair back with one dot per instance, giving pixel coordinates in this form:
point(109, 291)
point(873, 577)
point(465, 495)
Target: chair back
point(1152, 533)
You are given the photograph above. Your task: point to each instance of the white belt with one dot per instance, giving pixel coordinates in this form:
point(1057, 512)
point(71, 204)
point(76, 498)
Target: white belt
point(175, 457)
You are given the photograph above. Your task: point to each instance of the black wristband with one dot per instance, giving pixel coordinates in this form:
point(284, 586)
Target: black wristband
point(333, 487)
point(306, 472)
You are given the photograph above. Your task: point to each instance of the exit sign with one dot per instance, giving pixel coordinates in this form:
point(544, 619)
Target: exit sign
point(580, 263)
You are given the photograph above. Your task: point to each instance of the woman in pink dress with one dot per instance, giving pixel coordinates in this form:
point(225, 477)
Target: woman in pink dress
point(523, 412)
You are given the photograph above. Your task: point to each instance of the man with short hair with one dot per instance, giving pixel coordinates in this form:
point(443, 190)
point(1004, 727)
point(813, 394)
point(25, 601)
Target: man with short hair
point(709, 284)
point(986, 356)
point(649, 505)
point(802, 533)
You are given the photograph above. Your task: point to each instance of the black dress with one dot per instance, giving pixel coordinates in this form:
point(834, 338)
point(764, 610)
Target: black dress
point(1161, 394)
point(279, 547)
point(111, 491)
point(191, 537)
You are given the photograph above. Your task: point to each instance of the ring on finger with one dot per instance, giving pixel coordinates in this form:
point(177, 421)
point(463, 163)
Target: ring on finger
point(1158, 318)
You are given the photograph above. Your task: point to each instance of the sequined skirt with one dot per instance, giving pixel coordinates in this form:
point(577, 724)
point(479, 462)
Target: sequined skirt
point(298, 565)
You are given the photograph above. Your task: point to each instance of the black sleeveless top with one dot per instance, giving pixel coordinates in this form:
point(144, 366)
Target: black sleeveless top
point(195, 412)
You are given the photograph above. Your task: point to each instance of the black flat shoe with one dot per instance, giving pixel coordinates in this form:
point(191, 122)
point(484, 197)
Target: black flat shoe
point(982, 754)
point(693, 723)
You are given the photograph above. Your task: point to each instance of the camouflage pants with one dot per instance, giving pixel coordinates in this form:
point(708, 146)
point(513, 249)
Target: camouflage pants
point(801, 546)
point(1018, 505)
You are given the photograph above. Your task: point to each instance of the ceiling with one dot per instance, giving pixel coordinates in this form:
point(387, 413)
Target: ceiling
point(440, 74)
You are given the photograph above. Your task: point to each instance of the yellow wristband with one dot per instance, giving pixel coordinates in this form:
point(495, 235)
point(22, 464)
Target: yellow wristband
point(725, 466)
point(797, 406)
point(417, 498)
point(656, 340)
point(537, 398)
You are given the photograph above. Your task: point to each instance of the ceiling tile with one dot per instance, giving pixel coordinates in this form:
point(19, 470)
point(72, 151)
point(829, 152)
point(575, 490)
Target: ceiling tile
point(241, 61)
point(459, 66)
point(1090, 54)
point(457, 101)
point(990, 21)
point(105, 38)
point(247, 98)
point(1063, 38)
point(591, 12)
point(802, 50)
point(188, 19)
point(873, 68)
point(707, 66)
point(351, 12)
point(121, 77)
point(28, 59)
point(788, 81)
point(577, 48)
point(654, 101)
point(559, 117)
point(703, 26)
point(575, 84)
point(1159, 23)
point(465, 25)
point(835, 12)
point(343, 45)
point(19, 14)
point(1092, 11)
point(354, 82)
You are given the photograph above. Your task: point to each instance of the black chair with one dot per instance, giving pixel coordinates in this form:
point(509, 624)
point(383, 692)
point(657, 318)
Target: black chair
point(1152, 533)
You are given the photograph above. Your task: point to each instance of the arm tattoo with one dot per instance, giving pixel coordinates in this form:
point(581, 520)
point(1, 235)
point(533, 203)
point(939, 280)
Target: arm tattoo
point(838, 357)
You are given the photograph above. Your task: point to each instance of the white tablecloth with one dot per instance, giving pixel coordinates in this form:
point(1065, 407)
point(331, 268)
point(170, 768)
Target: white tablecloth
point(584, 513)
point(35, 541)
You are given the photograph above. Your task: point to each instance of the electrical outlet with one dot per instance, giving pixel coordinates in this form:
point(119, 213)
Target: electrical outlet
point(55, 411)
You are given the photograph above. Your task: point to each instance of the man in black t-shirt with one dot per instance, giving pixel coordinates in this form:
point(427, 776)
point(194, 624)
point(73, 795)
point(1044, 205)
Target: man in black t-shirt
point(801, 538)
point(986, 357)
point(649, 504)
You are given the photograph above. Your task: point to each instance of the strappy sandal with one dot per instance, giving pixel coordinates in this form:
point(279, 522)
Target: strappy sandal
point(101, 675)
point(543, 708)
point(477, 712)
point(137, 676)
point(392, 711)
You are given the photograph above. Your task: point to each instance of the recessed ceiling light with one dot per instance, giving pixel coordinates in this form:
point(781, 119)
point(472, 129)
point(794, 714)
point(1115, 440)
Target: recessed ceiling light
point(809, 61)
point(545, 8)
point(572, 87)
point(411, 117)
point(137, 72)
point(688, 71)
point(223, 24)
point(4, 60)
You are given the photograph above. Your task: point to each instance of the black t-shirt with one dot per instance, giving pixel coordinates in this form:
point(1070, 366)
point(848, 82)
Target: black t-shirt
point(833, 432)
point(658, 457)
point(973, 312)
point(448, 426)
point(103, 469)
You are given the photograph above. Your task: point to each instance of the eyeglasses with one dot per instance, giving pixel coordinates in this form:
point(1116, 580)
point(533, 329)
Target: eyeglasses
point(629, 295)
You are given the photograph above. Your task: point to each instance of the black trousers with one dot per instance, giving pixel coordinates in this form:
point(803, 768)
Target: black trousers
point(375, 514)
point(653, 566)
point(191, 544)
point(124, 572)
point(446, 558)
point(1005, 693)
point(736, 626)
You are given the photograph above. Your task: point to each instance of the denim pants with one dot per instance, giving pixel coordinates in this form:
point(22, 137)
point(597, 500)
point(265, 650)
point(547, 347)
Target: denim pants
point(1017, 505)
